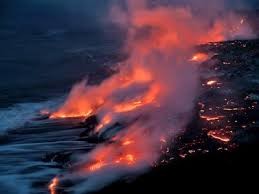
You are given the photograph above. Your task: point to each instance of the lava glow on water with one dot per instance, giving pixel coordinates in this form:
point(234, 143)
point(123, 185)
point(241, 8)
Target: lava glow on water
point(60, 115)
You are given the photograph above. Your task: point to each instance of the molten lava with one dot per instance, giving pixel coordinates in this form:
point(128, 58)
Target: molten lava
point(132, 105)
point(53, 185)
point(84, 114)
point(219, 136)
point(211, 82)
point(96, 166)
point(211, 118)
point(127, 159)
point(105, 121)
point(127, 142)
point(199, 57)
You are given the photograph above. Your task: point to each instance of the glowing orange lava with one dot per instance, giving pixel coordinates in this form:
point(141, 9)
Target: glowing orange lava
point(57, 115)
point(127, 142)
point(53, 185)
point(97, 166)
point(105, 121)
point(219, 136)
point(211, 118)
point(130, 158)
point(211, 82)
point(132, 105)
point(199, 57)
point(126, 107)
point(127, 159)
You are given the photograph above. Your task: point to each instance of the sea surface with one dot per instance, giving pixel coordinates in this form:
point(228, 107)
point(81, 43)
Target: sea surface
point(38, 67)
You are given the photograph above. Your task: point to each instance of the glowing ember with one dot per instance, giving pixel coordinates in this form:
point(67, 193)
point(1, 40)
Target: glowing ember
point(128, 159)
point(199, 57)
point(211, 118)
point(53, 185)
point(219, 136)
point(211, 82)
point(127, 142)
point(97, 166)
point(57, 115)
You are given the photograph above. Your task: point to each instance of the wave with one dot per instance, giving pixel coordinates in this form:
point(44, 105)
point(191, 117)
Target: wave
point(19, 114)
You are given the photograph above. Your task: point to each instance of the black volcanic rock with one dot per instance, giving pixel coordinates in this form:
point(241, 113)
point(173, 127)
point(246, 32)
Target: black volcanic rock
point(90, 123)
point(3, 139)
point(213, 171)
point(93, 139)
point(111, 131)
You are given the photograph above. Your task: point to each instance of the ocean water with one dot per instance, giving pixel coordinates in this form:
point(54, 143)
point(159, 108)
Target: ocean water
point(45, 48)
point(37, 66)
point(19, 114)
point(37, 70)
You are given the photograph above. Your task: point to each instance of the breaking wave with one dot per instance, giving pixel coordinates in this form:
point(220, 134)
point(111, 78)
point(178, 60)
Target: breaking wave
point(19, 114)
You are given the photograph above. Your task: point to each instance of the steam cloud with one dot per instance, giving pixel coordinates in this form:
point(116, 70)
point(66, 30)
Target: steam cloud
point(154, 92)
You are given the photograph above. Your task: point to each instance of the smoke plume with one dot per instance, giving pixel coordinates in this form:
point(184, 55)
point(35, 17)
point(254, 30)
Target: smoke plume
point(152, 96)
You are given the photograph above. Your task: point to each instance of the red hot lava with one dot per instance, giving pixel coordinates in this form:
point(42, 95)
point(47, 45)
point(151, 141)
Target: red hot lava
point(52, 186)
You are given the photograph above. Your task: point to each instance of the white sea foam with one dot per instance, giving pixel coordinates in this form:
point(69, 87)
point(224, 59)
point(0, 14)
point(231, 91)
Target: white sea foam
point(19, 114)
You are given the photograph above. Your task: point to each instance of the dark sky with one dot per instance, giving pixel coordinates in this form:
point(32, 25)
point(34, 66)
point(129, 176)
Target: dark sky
point(52, 13)
point(79, 13)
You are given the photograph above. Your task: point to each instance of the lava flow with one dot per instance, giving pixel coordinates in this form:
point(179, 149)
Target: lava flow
point(212, 118)
point(211, 82)
point(199, 57)
point(122, 153)
point(157, 85)
point(219, 136)
point(52, 186)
